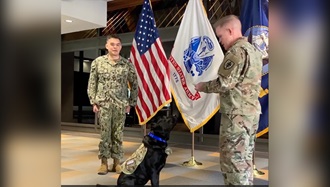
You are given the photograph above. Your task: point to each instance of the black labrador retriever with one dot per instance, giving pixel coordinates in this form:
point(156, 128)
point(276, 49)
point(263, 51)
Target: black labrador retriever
point(154, 147)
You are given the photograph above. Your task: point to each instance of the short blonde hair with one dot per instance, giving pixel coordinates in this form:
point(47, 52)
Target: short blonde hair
point(225, 20)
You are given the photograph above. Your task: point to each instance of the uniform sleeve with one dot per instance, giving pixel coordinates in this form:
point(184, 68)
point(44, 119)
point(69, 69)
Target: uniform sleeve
point(229, 74)
point(92, 83)
point(132, 79)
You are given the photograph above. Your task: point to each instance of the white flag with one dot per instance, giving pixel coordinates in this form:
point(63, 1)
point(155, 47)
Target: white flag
point(196, 57)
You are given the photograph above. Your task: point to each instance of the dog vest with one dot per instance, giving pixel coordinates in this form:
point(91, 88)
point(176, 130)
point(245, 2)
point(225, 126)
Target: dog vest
point(130, 165)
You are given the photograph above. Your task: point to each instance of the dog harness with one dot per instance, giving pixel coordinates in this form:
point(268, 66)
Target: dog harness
point(130, 165)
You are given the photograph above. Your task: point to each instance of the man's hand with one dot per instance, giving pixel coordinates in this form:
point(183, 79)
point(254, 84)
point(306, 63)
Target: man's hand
point(95, 108)
point(128, 109)
point(200, 86)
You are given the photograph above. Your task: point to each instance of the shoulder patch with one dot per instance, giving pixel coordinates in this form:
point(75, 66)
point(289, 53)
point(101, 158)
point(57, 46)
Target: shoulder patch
point(229, 63)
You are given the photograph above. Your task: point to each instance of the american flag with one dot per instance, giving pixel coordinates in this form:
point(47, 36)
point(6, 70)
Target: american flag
point(151, 65)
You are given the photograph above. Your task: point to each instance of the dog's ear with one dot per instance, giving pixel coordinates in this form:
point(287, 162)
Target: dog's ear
point(160, 119)
point(175, 116)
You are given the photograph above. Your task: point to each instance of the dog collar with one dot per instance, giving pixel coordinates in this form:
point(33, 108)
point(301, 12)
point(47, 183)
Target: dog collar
point(156, 137)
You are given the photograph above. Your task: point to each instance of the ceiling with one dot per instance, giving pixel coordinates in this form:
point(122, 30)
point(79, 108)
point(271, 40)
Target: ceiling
point(82, 15)
point(90, 14)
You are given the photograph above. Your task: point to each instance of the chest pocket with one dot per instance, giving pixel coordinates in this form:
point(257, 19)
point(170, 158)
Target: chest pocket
point(121, 74)
point(103, 72)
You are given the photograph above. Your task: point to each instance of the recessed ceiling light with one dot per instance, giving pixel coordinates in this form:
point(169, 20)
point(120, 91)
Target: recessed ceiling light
point(68, 20)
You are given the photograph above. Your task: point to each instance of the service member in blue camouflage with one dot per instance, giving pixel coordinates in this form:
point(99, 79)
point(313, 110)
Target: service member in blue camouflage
point(110, 79)
point(238, 83)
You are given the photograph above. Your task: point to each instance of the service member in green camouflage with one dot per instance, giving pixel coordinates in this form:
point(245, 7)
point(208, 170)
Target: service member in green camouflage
point(238, 83)
point(108, 86)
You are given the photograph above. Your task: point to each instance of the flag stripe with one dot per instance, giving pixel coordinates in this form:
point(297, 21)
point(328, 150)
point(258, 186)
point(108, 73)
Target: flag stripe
point(142, 107)
point(166, 90)
point(144, 92)
point(157, 74)
point(140, 112)
point(148, 57)
point(160, 70)
point(155, 69)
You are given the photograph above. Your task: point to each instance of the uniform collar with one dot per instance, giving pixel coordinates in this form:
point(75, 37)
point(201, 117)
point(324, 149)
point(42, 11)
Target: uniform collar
point(118, 61)
point(240, 40)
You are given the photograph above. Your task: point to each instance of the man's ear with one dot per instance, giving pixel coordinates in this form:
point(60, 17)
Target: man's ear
point(230, 30)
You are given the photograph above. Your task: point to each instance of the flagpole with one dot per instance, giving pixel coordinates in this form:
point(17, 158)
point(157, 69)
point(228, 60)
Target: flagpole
point(192, 161)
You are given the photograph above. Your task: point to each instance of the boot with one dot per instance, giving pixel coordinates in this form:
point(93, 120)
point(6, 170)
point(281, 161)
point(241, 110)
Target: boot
point(116, 166)
point(104, 166)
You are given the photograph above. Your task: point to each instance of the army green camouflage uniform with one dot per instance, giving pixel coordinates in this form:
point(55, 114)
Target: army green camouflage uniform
point(108, 88)
point(239, 85)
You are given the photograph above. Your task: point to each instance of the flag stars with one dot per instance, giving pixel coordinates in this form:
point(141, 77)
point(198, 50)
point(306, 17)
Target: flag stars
point(146, 32)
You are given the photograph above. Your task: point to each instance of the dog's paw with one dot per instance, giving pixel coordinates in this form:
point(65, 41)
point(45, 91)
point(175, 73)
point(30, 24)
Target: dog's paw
point(168, 151)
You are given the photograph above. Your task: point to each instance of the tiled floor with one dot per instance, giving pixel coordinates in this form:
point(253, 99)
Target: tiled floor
point(79, 163)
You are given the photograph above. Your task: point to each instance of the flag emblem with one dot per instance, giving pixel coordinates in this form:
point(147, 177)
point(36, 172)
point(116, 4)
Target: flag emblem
point(258, 36)
point(198, 55)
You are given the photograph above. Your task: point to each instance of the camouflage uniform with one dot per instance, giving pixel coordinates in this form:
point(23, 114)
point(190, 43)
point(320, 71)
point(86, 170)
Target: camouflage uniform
point(108, 88)
point(239, 86)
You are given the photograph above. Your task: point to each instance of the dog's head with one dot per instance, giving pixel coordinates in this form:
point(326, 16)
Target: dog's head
point(164, 125)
